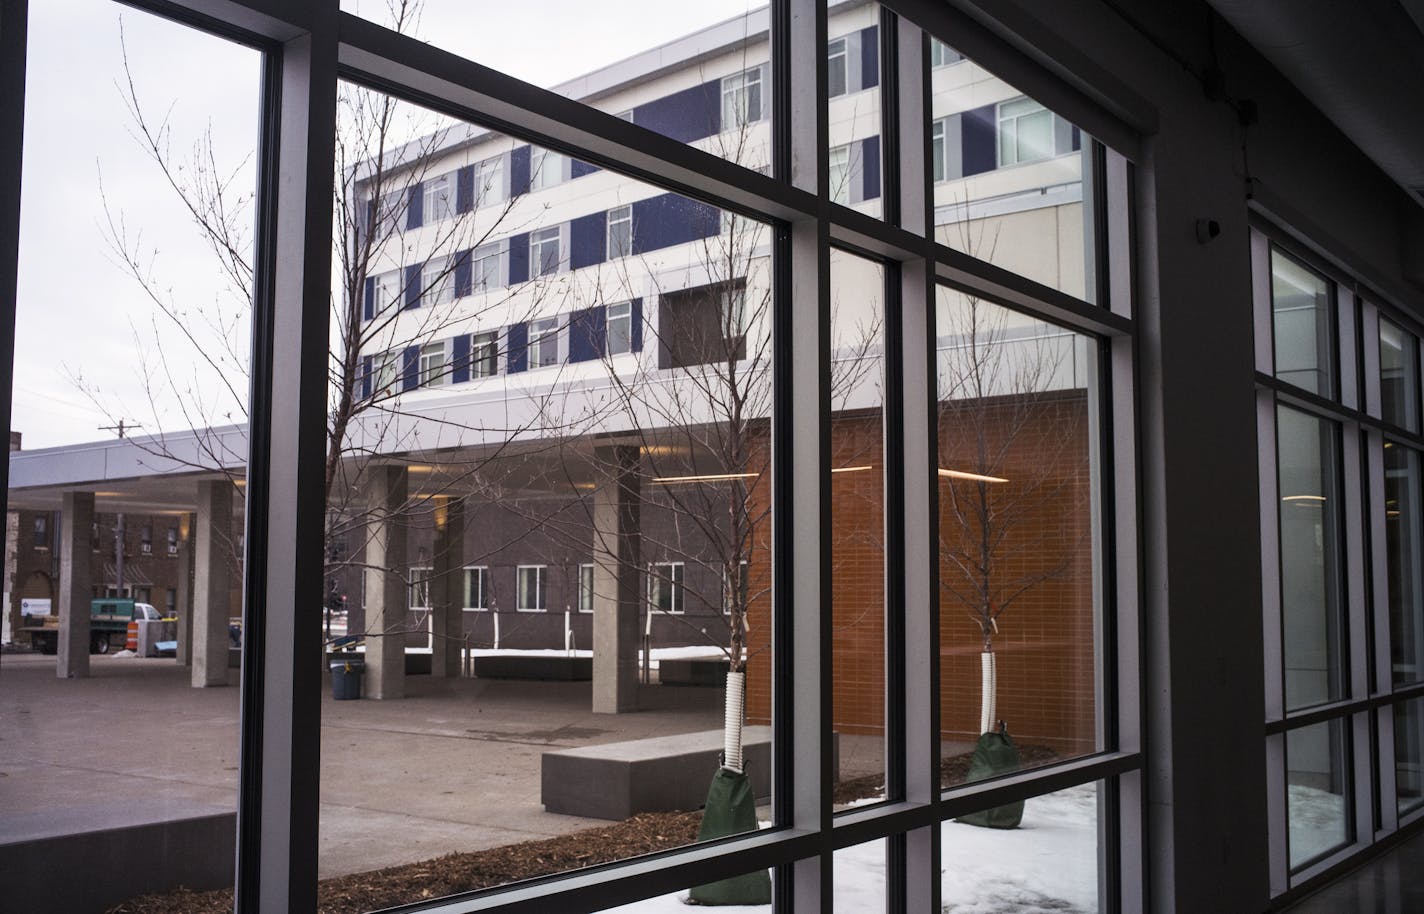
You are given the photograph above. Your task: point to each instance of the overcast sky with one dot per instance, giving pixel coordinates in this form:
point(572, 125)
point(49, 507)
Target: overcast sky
point(83, 322)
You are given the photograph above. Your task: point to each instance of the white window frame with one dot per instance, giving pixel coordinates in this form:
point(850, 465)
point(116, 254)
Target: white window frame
point(538, 240)
point(585, 587)
point(392, 211)
point(437, 282)
point(620, 216)
point(543, 343)
point(942, 55)
point(434, 364)
point(673, 576)
point(541, 588)
point(547, 168)
point(618, 312)
point(939, 167)
point(490, 186)
point(482, 576)
point(488, 342)
point(738, 90)
point(837, 48)
point(439, 201)
point(420, 576)
point(839, 174)
point(1007, 140)
point(488, 267)
point(386, 370)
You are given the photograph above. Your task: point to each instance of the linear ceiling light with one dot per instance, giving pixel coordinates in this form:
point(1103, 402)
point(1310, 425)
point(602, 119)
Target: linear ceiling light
point(851, 469)
point(1303, 498)
point(969, 477)
point(712, 477)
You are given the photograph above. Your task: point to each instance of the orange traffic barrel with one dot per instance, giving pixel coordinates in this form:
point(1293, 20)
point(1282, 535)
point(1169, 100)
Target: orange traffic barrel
point(133, 636)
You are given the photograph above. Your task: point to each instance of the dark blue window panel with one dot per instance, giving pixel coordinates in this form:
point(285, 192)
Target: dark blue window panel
point(1077, 139)
point(465, 189)
point(366, 361)
point(587, 240)
point(519, 171)
point(518, 258)
point(669, 219)
point(410, 368)
point(460, 371)
point(978, 136)
point(412, 287)
point(371, 216)
point(869, 57)
point(637, 314)
point(368, 310)
point(577, 169)
point(870, 167)
point(587, 330)
point(517, 356)
point(415, 206)
point(462, 274)
point(684, 116)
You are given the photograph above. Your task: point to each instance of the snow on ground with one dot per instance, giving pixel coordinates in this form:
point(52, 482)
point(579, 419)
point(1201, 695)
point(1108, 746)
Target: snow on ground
point(1317, 822)
point(1048, 865)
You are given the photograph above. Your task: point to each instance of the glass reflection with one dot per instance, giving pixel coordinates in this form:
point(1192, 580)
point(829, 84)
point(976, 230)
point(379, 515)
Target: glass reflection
point(1402, 538)
point(1319, 805)
point(1302, 310)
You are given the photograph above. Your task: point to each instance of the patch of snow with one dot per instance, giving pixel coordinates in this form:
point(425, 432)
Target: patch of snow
point(1048, 865)
point(126, 653)
point(1317, 822)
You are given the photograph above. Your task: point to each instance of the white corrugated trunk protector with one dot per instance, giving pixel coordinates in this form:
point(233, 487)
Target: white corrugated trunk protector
point(988, 690)
point(732, 722)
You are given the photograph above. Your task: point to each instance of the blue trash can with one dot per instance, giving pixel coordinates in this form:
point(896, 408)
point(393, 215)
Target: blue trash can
point(346, 679)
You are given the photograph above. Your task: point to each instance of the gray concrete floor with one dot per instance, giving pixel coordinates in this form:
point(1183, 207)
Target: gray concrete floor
point(1389, 884)
point(452, 767)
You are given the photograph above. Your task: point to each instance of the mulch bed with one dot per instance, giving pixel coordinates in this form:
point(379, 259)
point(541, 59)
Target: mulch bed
point(466, 872)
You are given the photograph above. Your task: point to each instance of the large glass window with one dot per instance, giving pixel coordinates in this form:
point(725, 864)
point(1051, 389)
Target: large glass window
point(1399, 376)
point(1319, 785)
point(1308, 450)
point(1303, 314)
point(1403, 538)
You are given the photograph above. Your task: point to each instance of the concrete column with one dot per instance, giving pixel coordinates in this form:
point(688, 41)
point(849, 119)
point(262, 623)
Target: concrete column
point(184, 596)
point(212, 542)
point(76, 587)
point(447, 587)
point(385, 582)
point(617, 573)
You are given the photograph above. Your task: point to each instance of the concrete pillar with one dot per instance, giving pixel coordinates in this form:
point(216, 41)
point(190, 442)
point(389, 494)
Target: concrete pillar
point(447, 597)
point(617, 574)
point(183, 599)
point(76, 586)
point(212, 543)
point(385, 582)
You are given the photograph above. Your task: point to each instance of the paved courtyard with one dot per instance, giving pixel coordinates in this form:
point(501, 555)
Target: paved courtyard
point(453, 767)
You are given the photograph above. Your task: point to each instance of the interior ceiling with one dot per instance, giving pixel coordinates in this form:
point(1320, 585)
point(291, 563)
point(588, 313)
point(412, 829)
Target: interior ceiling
point(1361, 62)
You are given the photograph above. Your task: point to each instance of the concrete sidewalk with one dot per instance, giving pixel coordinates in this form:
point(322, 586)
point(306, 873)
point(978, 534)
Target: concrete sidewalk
point(453, 767)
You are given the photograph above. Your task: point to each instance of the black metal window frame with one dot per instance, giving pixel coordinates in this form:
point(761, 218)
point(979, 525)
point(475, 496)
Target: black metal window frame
point(309, 46)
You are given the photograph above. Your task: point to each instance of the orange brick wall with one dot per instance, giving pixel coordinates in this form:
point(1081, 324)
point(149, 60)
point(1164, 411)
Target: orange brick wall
point(1045, 644)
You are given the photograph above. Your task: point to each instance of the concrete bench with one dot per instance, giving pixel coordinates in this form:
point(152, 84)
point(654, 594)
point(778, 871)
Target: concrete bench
point(551, 667)
point(694, 671)
point(657, 774)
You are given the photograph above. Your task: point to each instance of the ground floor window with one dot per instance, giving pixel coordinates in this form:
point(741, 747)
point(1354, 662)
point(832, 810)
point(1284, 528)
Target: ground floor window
point(530, 581)
point(665, 586)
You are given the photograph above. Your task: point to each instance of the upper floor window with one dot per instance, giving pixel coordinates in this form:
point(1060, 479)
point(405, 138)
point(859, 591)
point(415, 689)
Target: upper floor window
point(839, 177)
point(439, 200)
point(544, 342)
point(385, 292)
point(620, 231)
point(433, 364)
point(1025, 132)
point(942, 54)
point(741, 98)
point(145, 539)
point(172, 540)
point(483, 353)
point(544, 251)
point(546, 168)
point(437, 283)
point(837, 75)
point(937, 151)
point(386, 370)
point(41, 531)
point(487, 267)
point(619, 336)
point(489, 182)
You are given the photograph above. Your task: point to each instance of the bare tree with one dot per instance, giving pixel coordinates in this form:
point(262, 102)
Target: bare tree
point(1011, 446)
